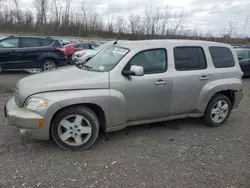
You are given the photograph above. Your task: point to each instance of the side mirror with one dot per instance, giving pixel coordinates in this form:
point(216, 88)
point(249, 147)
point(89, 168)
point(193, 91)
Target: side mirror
point(134, 71)
point(240, 58)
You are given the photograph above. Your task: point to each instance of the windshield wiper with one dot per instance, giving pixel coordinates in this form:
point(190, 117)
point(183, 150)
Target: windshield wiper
point(87, 67)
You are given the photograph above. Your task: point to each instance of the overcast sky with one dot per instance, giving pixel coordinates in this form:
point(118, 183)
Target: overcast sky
point(204, 15)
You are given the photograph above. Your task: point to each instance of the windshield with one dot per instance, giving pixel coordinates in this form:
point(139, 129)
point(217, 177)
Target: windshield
point(106, 59)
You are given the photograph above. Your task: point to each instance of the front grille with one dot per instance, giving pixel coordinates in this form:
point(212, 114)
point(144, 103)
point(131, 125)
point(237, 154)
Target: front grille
point(16, 97)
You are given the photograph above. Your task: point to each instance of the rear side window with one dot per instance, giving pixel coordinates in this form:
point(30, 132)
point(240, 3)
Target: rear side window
point(46, 42)
point(189, 58)
point(56, 43)
point(29, 42)
point(222, 57)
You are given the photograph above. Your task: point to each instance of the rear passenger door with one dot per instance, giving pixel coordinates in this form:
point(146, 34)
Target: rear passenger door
point(191, 75)
point(29, 52)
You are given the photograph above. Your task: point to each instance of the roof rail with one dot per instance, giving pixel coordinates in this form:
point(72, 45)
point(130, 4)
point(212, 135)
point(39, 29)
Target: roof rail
point(49, 37)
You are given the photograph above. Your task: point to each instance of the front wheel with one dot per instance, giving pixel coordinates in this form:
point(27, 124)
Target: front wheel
point(75, 128)
point(49, 65)
point(218, 111)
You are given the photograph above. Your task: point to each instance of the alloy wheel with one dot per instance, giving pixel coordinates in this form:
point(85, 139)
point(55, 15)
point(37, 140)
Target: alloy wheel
point(74, 130)
point(49, 65)
point(219, 111)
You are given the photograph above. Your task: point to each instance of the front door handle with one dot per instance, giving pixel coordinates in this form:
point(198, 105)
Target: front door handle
point(160, 82)
point(204, 78)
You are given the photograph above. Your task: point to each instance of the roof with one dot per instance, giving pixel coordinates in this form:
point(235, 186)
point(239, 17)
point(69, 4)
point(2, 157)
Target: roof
point(242, 49)
point(38, 37)
point(161, 43)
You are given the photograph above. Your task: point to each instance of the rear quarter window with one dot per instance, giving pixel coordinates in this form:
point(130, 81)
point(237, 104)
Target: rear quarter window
point(46, 42)
point(222, 57)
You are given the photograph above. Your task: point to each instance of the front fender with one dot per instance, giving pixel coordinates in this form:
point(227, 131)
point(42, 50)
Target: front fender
point(208, 91)
point(62, 99)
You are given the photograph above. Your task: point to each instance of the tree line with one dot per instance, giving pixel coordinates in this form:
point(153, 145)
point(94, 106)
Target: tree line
point(60, 18)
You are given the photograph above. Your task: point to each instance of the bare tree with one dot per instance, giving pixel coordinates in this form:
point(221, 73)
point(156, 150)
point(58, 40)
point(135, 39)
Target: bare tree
point(151, 18)
point(231, 27)
point(179, 19)
point(86, 10)
point(42, 7)
point(165, 18)
point(57, 13)
point(245, 26)
point(17, 11)
point(120, 24)
point(134, 23)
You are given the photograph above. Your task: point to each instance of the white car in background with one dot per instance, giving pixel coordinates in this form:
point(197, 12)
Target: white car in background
point(83, 56)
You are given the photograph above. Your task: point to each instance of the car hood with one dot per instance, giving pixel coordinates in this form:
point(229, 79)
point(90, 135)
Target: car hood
point(89, 52)
point(66, 78)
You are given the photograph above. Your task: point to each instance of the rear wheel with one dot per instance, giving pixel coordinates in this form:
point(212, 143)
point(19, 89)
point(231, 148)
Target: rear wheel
point(49, 64)
point(218, 111)
point(75, 128)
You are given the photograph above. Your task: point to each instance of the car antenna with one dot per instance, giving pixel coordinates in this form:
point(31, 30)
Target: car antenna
point(116, 40)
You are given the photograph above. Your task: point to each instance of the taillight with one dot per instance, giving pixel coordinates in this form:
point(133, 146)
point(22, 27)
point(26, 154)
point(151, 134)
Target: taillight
point(63, 50)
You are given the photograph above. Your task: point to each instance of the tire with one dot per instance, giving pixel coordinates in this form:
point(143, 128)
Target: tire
point(91, 125)
point(215, 112)
point(88, 59)
point(70, 61)
point(49, 64)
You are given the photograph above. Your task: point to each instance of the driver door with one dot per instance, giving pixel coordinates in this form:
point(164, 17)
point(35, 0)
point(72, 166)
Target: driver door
point(9, 50)
point(244, 61)
point(147, 97)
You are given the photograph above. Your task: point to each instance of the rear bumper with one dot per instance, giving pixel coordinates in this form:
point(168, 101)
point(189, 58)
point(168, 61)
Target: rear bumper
point(26, 121)
point(62, 61)
point(238, 97)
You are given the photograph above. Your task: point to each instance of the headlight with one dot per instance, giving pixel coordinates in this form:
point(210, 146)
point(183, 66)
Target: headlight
point(37, 104)
point(80, 54)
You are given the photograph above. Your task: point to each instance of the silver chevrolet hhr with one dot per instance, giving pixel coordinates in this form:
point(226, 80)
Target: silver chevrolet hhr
point(125, 84)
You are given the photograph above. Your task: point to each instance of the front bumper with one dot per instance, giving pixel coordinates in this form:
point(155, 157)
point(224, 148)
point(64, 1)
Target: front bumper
point(26, 121)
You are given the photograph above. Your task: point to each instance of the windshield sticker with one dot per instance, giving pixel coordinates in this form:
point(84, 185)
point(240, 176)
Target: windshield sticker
point(120, 50)
point(101, 67)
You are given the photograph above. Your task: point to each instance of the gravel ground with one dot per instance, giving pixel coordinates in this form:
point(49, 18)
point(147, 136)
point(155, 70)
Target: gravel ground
point(182, 153)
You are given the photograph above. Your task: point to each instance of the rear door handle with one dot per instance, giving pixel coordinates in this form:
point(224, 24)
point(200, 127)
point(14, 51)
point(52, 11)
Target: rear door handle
point(204, 78)
point(160, 82)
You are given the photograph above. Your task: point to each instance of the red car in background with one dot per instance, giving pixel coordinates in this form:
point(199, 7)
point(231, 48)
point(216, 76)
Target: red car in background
point(72, 48)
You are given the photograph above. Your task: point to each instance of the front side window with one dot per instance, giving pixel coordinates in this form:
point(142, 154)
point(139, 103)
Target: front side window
point(243, 54)
point(9, 43)
point(94, 46)
point(84, 46)
point(152, 61)
point(189, 58)
point(222, 57)
point(29, 42)
point(106, 59)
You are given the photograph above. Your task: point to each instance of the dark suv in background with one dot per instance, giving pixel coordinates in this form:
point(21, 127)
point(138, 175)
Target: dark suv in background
point(24, 53)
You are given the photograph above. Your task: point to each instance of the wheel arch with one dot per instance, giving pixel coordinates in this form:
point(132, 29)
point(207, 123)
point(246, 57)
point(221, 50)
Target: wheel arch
point(227, 87)
point(94, 107)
